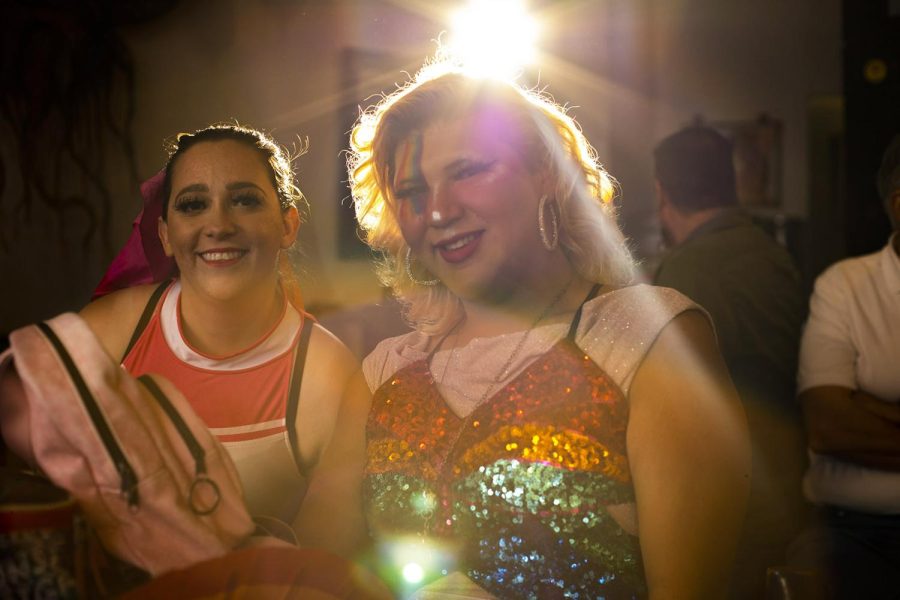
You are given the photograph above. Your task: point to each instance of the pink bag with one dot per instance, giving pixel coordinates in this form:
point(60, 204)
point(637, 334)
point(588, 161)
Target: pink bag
point(157, 487)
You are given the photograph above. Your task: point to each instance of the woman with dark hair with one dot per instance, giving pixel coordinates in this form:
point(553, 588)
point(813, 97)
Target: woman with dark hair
point(232, 335)
point(549, 429)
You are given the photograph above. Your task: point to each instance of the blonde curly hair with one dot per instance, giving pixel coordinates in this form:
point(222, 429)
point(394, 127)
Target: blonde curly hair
point(589, 234)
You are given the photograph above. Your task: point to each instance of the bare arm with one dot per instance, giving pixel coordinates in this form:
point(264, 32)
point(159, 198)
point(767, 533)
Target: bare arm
point(853, 425)
point(331, 515)
point(113, 317)
point(689, 452)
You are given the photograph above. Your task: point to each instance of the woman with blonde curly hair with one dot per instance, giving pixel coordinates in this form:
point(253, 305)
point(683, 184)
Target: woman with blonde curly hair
point(550, 428)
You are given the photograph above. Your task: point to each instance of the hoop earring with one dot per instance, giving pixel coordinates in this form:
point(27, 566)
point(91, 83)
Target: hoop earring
point(409, 273)
point(549, 238)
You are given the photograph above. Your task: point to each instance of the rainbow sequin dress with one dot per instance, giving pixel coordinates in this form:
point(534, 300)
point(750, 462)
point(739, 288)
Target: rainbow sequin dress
point(516, 494)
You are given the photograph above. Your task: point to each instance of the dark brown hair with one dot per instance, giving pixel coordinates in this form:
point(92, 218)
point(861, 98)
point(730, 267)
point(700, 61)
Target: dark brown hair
point(281, 172)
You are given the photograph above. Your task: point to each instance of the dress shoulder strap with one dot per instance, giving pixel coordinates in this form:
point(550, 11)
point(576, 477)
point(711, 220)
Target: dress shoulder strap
point(145, 316)
point(576, 319)
point(293, 399)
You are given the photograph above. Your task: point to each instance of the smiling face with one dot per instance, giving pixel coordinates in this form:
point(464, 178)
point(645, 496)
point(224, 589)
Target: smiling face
point(225, 227)
point(467, 202)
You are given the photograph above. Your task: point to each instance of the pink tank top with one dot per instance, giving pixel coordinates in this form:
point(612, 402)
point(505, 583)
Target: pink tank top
point(243, 399)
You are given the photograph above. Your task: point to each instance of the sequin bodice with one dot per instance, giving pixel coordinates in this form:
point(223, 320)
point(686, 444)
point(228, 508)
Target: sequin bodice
point(517, 492)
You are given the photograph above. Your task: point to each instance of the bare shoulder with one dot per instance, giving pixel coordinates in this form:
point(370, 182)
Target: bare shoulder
point(330, 367)
point(331, 383)
point(689, 340)
point(683, 380)
point(113, 317)
point(330, 354)
point(692, 325)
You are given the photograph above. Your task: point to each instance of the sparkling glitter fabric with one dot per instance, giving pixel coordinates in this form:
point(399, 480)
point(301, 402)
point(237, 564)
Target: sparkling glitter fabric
point(522, 496)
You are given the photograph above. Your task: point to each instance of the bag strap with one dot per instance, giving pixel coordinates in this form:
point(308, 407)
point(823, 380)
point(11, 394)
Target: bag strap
point(293, 399)
point(145, 317)
point(102, 427)
point(184, 431)
point(201, 478)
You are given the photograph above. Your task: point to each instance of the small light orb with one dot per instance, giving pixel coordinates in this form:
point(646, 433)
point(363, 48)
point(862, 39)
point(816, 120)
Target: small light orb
point(423, 502)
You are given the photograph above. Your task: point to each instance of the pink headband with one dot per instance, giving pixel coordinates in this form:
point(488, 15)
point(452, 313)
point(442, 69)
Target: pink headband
point(142, 259)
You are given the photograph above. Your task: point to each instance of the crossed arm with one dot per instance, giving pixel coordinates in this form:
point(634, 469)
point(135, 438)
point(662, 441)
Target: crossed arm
point(853, 425)
point(842, 420)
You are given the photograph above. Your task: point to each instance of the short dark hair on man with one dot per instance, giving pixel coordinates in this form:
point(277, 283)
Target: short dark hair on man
point(889, 173)
point(694, 167)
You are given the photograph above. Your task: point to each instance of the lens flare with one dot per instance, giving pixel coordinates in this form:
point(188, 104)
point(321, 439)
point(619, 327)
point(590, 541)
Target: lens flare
point(413, 573)
point(414, 559)
point(493, 38)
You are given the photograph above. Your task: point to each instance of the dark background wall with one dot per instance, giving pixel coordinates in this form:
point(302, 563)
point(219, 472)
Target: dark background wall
point(632, 71)
point(871, 37)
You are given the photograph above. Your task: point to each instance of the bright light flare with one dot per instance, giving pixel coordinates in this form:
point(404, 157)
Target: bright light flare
point(494, 38)
point(413, 573)
point(416, 559)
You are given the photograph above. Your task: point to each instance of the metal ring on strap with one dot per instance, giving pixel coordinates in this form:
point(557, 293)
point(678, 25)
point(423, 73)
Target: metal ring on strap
point(192, 500)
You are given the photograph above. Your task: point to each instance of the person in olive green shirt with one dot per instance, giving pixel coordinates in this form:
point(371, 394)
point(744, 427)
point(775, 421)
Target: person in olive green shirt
point(720, 259)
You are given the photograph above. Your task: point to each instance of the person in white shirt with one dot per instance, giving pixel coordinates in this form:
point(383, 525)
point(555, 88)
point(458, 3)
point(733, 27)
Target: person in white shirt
point(849, 386)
